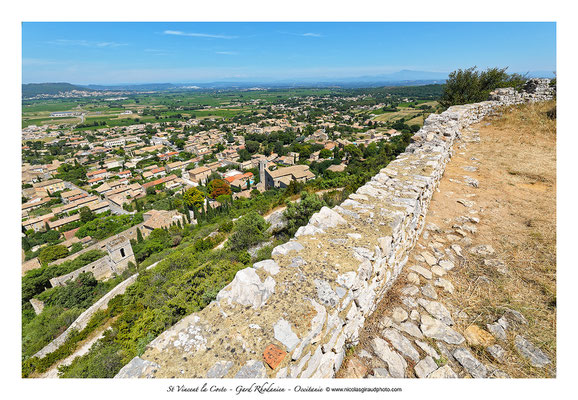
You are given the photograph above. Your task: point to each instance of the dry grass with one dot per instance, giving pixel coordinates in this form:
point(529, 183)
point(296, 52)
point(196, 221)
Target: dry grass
point(516, 200)
point(518, 196)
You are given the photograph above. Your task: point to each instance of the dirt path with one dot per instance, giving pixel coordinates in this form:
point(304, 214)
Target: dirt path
point(478, 294)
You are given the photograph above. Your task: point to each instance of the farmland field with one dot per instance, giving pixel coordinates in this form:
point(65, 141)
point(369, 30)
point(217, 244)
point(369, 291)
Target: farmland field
point(412, 115)
point(175, 105)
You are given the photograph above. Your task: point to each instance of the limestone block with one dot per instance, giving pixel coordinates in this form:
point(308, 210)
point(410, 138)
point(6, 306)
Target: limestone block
point(284, 249)
point(326, 218)
point(270, 266)
point(247, 289)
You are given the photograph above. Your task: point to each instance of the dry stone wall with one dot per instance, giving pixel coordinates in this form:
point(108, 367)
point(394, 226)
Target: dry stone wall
point(83, 319)
point(312, 298)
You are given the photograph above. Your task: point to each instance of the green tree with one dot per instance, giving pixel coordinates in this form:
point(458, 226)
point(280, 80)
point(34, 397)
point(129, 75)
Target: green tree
point(325, 153)
point(50, 253)
point(193, 198)
point(352, 151)
point(252, 146)
point(244, 155)
point(74, 173)
point(472, 86)
point(370, 150)
point(86, 214)
point(139, 237)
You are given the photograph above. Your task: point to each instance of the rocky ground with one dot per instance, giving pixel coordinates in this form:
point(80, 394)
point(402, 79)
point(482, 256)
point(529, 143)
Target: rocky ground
point(478, 295)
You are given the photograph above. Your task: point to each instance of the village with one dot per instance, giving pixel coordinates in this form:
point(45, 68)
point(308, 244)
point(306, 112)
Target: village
point(107, 170)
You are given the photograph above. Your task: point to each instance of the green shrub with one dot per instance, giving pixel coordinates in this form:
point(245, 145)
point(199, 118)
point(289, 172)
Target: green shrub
point(248, 231)
point(226, 226)
point(46, 327)
point(298, 214)
point(472, 86)
point(51, 253)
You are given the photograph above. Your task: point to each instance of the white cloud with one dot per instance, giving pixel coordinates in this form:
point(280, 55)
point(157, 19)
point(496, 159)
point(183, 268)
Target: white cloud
point(306, 34)
point(196, 34)
point(110, 44)
point(85, 43)
point(228, 53)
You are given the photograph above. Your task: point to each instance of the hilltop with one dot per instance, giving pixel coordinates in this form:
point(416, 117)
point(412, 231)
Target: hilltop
point(35, 89)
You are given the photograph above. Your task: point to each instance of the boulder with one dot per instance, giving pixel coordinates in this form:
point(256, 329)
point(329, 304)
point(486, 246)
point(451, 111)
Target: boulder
point(326, 218)
point(247, 289)
point(475, 336)
point(220, 369)
point(425, 367)
point(270, 266)
point(284, 249)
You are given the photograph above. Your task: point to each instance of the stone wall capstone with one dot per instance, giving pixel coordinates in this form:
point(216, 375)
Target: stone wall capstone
point(311, 300)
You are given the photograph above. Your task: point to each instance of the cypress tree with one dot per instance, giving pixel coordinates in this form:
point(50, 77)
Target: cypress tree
point(139, 237)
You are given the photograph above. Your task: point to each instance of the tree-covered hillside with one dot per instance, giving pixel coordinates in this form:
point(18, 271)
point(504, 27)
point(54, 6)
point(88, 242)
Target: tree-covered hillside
point(34, 89)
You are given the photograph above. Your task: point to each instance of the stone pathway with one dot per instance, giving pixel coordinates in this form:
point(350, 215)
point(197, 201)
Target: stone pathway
point(418, 335)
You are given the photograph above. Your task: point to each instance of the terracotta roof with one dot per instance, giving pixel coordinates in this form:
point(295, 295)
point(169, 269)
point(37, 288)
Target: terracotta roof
point(159, 181)
point(100, 171)
point(70, 234)
point(63, 221)
point(95, 180)
point(238, 176)
point(47, 183)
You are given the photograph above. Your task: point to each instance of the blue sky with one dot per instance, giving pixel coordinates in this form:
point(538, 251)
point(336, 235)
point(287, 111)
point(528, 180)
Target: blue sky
point(142, 52)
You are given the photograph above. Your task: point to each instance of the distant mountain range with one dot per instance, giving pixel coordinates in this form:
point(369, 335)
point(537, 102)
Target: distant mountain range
point(137, 87)
point(400, 78)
